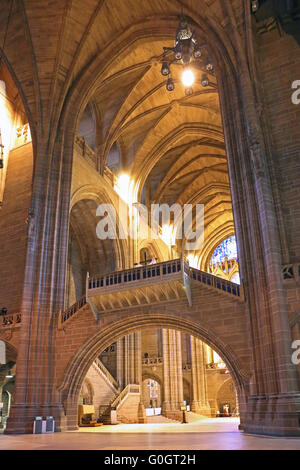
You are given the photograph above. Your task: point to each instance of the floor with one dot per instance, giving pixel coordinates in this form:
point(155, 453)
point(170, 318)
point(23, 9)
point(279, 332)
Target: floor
point(205, 434)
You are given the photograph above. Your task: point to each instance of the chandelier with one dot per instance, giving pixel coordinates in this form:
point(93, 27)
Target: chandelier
point(186, 51)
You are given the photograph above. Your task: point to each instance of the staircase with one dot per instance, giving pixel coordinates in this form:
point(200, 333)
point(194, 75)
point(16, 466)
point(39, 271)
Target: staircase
point(126, 404)
point(195, 417)
point(160, 419)
point(106, 375)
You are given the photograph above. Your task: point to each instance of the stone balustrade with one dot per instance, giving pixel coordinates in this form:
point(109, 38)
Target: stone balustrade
point(73, 309)
point(152, 361)
point(107, 374)
point(120, 283)
point(138, 274)
point(129, 389)
point(217, 282)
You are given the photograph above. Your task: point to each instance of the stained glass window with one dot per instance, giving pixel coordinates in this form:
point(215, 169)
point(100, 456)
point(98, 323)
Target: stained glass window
point(236, 278)
point(226, 248)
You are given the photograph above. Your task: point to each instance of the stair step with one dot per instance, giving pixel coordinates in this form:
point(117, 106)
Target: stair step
point(160, 419)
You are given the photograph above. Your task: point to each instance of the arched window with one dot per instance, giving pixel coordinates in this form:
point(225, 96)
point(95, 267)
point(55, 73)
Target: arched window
point(236, 278)
point(224, 261)
point(226, 249)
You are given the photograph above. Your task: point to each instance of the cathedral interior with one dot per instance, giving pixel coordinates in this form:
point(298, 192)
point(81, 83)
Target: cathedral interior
point(113, 114)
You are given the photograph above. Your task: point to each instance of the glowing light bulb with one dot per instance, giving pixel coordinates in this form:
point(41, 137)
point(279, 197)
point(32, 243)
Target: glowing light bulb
point(188, 78)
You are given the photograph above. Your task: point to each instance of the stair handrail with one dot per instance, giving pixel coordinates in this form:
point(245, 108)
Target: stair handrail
point(106, 372)
point(70, 311)
point(130, 388)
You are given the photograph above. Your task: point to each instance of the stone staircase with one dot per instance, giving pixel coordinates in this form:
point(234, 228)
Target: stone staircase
point(195, 417)
point(160, 419)
point(126, 405)
point(106, 375)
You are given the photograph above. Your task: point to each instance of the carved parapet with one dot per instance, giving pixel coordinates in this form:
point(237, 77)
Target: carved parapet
point(152, 361)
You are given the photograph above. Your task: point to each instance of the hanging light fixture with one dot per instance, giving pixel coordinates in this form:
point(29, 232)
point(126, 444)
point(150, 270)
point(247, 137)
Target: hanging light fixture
point(185, 51)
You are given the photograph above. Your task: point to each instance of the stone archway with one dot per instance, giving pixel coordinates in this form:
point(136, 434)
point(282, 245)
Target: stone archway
point(80, 362)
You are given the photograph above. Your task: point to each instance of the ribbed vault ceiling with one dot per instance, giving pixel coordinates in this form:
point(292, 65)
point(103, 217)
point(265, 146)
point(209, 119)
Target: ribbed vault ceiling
point(171, 145)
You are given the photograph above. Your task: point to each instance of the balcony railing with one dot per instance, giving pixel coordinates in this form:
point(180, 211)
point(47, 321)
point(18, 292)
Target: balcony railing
point(150, 275)
point(131, 276)
point(73, 309)
point(215, 281)
point(152, 361)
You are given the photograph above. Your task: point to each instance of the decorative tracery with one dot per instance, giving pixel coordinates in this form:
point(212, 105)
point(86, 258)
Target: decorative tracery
point(224, 261)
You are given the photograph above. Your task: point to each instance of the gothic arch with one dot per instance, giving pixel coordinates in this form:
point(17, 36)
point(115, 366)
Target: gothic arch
point(79, 364)
point(102, 196)
point(224, 57)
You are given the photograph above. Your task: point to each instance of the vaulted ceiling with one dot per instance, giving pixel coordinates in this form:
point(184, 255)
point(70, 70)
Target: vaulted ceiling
point(171, 145)
point(107, 53)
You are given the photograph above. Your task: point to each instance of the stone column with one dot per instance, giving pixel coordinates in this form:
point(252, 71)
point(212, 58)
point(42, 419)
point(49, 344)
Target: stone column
point(129, 366)
point(200, 403)
point(132, 359)
point(120, 363)
point(172, 373)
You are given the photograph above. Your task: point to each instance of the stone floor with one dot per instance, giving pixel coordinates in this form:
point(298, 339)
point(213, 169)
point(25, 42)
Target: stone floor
point(206, 434)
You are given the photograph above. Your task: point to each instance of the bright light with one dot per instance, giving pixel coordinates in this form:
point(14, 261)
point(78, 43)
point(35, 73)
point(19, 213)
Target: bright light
point(168, 234)
point(188, 78)
point(123, 182)
point(5, 119)
point(193, 260)
point(217, 357)
point(124, 188)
